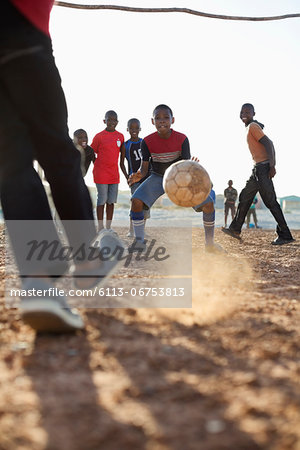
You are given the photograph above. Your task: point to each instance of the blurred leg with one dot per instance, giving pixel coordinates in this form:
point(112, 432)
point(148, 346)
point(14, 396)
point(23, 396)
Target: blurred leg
point(32, 84)
point(245, 200)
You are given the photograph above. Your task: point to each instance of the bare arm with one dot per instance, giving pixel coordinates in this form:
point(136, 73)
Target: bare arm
point(122, 159)
point(141, 173)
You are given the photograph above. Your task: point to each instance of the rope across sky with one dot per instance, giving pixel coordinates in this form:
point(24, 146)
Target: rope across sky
point(176, 10)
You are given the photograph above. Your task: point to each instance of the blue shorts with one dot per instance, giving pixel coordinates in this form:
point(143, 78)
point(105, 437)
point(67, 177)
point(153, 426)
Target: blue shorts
point(133, 188)
point(107, 193)
point(150, 190)
point(210, 199)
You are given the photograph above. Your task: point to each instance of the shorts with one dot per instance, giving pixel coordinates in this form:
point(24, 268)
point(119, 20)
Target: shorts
point(229, 206)
point(146, 209)
point(150, 190)
point(134, 187)
point(107, 193)
point(210, 199)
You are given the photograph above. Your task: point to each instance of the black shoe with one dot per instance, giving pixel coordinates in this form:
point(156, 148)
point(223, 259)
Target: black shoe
point(282, 241)
point(137, 246)
point(232, 233)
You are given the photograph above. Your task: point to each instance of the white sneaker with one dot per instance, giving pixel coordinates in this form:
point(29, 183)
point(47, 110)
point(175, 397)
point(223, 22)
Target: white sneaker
point(50, 315)
point(101, 233)
point(137, 246)
point(97, 273)
point(110, 230)
point(214, 248)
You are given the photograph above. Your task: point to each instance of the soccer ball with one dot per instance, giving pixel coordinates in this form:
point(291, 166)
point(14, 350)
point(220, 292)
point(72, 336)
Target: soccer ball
point(186, 183)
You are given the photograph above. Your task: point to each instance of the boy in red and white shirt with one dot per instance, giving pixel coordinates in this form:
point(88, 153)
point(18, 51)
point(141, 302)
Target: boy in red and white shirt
point(108, 145)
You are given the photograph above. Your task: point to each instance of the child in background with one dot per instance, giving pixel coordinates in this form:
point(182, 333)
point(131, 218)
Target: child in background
point(252, 212)
point(80, 139)
point(133, 155)
point(108, 145)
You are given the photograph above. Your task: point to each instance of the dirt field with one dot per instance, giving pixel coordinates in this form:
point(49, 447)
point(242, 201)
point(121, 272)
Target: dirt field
point(222, 375)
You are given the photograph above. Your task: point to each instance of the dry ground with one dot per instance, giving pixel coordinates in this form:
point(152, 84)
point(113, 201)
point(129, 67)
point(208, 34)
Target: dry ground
point(222, 375)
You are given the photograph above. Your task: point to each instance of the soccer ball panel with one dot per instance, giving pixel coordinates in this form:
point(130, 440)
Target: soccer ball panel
point(171, 187)
point(183, 195)
point(187, 183)
point(183, 178)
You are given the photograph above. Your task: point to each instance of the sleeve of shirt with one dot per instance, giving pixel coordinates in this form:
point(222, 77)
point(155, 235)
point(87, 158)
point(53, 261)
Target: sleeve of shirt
point(127, 146)
point(94, 144)
point(256, 131)
point(89, 157)
point(213, 195)
point(185, 149)
point(145, 151)
point(89, 154)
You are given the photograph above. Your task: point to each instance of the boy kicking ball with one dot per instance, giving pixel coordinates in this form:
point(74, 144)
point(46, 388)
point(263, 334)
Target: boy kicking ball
point(164, 147)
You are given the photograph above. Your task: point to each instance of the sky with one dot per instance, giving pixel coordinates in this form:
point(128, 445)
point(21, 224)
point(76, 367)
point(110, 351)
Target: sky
point(204, 69)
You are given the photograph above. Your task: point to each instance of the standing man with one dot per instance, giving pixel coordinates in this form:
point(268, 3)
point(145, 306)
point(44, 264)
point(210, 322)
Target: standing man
point(33, 125)
point(263, 154)
point(230, 196)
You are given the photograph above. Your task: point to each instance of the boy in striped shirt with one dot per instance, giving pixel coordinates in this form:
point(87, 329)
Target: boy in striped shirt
point(164, 147)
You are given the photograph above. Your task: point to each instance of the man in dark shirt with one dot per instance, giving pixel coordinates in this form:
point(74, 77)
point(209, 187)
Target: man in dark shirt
point(230, 195)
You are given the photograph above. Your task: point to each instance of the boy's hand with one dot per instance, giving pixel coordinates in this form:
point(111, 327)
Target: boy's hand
point(134, 177)
point(272, 172)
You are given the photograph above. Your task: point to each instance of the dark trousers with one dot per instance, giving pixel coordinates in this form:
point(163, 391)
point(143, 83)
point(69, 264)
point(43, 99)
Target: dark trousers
point(33, 125)
point(260, 182)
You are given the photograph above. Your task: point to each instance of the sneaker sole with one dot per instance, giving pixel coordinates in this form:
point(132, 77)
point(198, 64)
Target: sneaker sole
point(133, 249)
point(46, 316)
point(215, 250)
point(110, 267)
point(226, 231)
point(283, 243)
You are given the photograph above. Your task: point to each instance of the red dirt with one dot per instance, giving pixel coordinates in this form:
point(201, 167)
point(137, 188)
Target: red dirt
point(222, 375)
